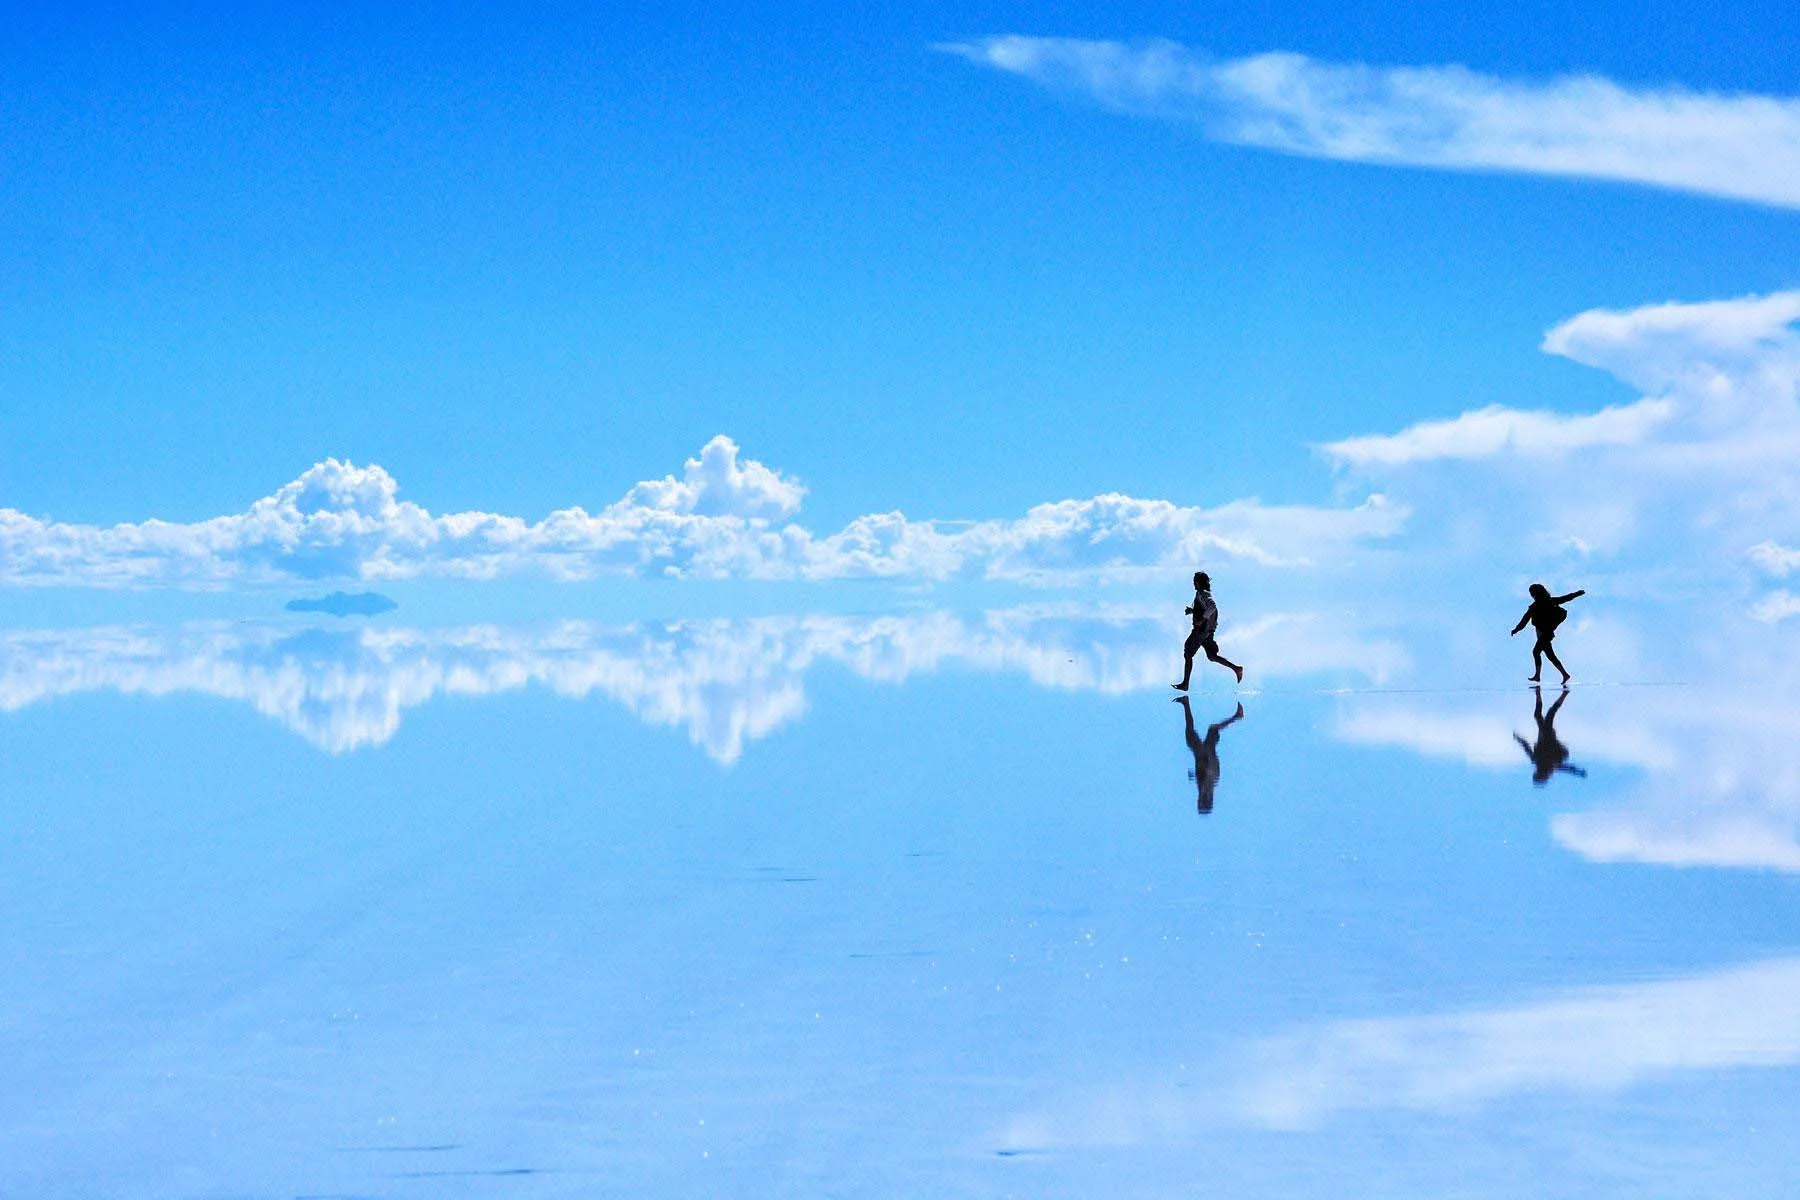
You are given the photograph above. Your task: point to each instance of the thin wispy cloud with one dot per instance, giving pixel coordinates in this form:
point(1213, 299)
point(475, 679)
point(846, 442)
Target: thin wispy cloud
point(1742, 147)
point(725, 517)
point(1488, 431)
point(1582, 1041)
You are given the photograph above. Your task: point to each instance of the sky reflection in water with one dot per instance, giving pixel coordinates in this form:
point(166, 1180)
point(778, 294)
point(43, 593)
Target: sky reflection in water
point(964, 936)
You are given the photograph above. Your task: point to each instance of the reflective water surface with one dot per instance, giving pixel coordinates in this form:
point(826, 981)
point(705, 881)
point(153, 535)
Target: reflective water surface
point(926, 903)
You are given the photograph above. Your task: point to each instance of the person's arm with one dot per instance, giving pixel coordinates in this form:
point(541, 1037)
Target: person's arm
point(1525, 746)
point(1521, 623)
point(1570, 596)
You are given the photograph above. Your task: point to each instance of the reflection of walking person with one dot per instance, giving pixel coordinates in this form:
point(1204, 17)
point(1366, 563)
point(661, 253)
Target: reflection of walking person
point(1206, 753)
point(1548, 755)
point(1206, 624)
point(1545, 614)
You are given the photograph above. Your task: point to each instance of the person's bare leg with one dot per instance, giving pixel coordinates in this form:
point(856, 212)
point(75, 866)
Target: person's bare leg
point(1187, 672)
point(1226, 662)
point(1537, 663)
point(1550, 653)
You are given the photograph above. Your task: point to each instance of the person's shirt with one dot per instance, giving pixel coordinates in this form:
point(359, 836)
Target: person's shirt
point(1545, 616)
point(1206, 614)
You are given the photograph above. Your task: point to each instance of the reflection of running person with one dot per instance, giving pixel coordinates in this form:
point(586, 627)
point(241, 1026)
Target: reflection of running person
point(1206, 624)
point(1548, 755)
point(1206, 753)
point(1545, 614)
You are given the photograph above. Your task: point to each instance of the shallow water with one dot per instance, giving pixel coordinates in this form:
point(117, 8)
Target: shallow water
point(908, 905)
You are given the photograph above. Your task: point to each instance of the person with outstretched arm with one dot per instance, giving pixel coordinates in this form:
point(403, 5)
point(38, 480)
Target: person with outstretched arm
point(1548, 755)
point(1206, 624)
point(1544, 615)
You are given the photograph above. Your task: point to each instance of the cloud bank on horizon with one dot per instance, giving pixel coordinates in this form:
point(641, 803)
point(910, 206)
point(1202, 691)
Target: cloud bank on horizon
point(1693, 479)
point(725, 518)
point(1741, 147)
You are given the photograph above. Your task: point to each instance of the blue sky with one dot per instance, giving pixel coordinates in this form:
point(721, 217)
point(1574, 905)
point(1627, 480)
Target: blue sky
point(524, 259)
point(916, 370)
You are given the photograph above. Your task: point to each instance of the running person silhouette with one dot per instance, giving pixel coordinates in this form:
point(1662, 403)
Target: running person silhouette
point(1544, 615)
point(1206, 753)
point(1206, 624)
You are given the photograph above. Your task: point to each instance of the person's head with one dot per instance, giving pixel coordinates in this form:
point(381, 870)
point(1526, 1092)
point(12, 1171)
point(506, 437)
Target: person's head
point(1202, 581)
point(1539, 592)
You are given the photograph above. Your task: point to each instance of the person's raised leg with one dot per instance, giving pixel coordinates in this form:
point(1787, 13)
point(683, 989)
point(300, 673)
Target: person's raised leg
point(1215, 656)
point(1550, 653)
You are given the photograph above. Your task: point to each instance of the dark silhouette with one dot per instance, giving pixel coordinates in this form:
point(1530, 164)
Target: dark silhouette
point(1206, 623)
point(1545, 614)
point(1206, 753)
point(1548, 755)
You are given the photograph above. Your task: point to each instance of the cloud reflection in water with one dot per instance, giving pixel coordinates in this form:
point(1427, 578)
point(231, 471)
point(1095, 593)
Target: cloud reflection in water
point(726, 682)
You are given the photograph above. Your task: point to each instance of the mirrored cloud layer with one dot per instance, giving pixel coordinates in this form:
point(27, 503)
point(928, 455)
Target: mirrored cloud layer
point(1449, 117)
point(724, 519)
point(1715, 771)
point(1584, 1040)
point(726, 682)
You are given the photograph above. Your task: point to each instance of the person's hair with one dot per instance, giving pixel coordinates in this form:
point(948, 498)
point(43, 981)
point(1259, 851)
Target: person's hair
point(1538, 591)
point(1202, 579)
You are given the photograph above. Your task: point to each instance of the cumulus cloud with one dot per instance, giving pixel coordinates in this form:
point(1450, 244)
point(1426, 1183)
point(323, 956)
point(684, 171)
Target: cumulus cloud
point(1697, 472)
point(717, 485)
point(726, 682)
point(1743, 147)
point(723, 519)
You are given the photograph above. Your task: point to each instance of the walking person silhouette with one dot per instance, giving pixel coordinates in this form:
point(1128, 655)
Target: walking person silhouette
point(1544, 615)
point(1206, 624)
point(1548, 755)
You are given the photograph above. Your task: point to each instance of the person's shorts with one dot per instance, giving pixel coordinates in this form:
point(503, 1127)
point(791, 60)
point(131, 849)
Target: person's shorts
point(1198, 641)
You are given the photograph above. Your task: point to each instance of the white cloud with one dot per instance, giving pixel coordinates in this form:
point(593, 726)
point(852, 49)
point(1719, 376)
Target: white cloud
point(717, 485)
point(1744, 147)
point(1775, 559)
point(1776, 606)
point(727, 683)
point(1697, 474)
point(1495, 430)
point(722, 519)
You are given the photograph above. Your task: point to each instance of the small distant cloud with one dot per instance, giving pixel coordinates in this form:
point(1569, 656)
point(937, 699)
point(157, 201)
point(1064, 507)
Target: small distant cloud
point(1741, 147)
point(345, 604)
point(1775, 559)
